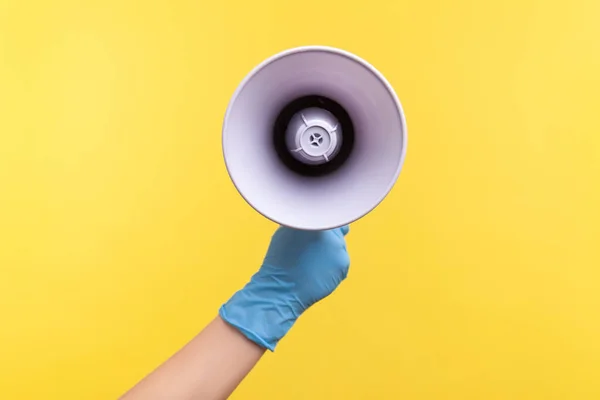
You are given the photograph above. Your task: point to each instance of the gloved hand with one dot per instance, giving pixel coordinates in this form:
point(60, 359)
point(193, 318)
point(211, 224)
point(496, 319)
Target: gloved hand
point(300, 268)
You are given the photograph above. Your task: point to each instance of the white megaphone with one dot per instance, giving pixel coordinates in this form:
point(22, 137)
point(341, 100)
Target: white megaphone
point(314, 138)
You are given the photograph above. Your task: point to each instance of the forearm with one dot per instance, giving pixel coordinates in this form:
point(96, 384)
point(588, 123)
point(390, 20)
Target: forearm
point(209, 367)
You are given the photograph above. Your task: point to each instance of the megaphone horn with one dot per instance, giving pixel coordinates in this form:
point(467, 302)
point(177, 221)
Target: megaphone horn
point(314, 138)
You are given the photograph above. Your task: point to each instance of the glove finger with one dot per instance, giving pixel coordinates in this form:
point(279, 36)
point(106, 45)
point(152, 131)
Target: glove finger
point(345, 229)
point(340, 233)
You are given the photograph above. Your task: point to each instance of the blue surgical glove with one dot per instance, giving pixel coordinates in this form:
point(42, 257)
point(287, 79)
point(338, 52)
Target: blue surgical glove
point(300, 268)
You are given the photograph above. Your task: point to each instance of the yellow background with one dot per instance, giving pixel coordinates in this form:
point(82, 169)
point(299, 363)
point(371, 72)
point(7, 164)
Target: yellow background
point(121, 234)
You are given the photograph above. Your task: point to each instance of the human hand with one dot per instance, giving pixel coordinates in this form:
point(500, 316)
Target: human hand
point(299, 269)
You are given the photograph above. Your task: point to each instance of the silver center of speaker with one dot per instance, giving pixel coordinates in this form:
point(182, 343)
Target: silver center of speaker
point(313, 136)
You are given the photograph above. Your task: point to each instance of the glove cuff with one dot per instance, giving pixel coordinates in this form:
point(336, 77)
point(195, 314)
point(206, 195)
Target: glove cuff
point(250, 335)
point(261, 312)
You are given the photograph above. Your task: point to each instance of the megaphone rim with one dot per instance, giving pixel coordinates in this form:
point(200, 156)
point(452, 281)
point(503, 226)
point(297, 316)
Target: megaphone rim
point(327, 49)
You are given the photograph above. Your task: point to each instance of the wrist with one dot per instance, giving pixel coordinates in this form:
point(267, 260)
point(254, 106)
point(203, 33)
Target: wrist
point(263, 311)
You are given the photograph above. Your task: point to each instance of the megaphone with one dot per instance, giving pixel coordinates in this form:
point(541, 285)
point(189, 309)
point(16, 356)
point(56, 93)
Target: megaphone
point(314, 138)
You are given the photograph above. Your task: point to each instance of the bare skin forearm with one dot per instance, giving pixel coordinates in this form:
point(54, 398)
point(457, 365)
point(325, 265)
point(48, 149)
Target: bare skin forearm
point(209, 367)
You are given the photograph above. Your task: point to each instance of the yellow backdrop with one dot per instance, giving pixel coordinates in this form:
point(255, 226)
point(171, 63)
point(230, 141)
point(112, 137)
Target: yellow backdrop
point(121, 234)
